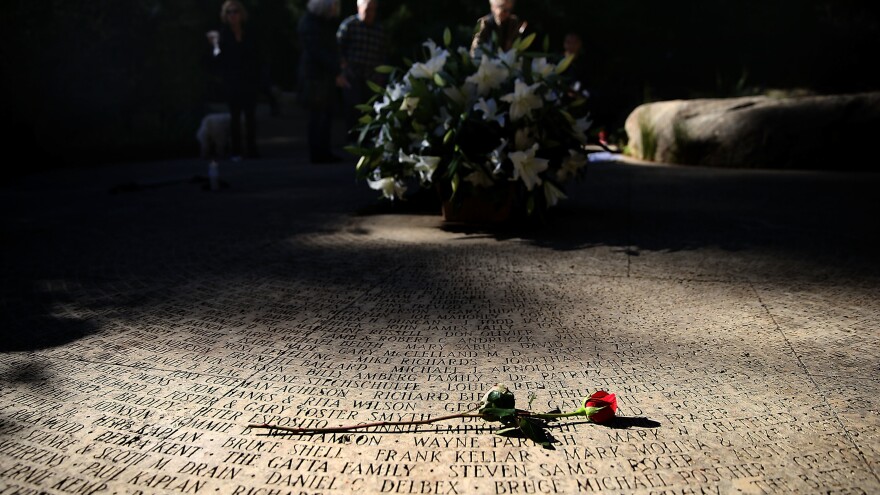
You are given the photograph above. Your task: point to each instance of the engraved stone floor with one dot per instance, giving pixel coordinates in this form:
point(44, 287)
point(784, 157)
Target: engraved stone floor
point(734, 313)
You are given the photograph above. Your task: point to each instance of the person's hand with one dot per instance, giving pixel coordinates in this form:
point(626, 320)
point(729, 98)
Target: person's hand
point(342, 82)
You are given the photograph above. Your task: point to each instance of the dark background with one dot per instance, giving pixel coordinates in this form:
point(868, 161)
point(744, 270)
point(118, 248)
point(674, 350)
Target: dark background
point(108, 80)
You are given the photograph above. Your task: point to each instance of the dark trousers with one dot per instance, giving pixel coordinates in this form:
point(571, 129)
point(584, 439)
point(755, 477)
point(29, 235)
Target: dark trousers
point(237, 107)
point(320, 124)
point(319, 97)
point(355, 95)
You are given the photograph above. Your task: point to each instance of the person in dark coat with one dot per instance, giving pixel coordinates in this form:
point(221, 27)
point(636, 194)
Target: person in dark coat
point(577, 71)
point(500, 28)
point(363, 45)
point(237, 56)
point(320, 74)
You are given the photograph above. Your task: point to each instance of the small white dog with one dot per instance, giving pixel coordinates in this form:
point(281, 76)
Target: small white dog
point(214, 135)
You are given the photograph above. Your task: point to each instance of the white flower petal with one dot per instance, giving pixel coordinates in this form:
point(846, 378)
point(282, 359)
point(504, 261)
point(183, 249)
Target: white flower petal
point(490, 74)
point(523, 100)
point(527, 167)
point(571, 166)
point(426, 166)
point(390, 188)
point(552, 194)
point(479, 178)
point(410, 103)
point(540, 67)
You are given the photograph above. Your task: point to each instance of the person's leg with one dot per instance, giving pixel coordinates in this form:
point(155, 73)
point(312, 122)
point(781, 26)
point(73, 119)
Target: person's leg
point(250, 129)
point(315, 148)
point(351, 97)
point(325, 124)
point(235, 109)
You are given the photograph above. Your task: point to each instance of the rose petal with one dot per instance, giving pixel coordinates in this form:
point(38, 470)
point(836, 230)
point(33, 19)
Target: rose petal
point(605, 400)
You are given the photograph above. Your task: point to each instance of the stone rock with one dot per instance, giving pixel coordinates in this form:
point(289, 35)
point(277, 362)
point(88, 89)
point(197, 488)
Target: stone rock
point(812, 132)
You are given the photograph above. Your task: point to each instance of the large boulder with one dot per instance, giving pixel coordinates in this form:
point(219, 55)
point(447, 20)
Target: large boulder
point(809, 132)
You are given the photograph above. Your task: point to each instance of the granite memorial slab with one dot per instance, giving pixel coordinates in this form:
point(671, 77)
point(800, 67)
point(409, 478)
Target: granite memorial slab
point(726, 384)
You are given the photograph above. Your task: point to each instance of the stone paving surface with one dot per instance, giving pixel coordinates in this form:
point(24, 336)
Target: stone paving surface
point(146, 322)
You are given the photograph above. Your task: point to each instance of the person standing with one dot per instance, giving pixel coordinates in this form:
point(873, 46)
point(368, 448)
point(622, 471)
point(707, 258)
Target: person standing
point(237, 54)
point(500, 28)
point(363, 46)
point(573, 47)
point(320, 74)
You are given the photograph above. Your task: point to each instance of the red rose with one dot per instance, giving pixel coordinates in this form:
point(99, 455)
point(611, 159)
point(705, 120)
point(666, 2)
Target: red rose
point(605, 400)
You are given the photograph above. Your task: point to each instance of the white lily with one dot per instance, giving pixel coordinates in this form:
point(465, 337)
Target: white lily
point(384, 138)
point(425, 166)
point(404, 158)
point(410, 103)
point(527, 167)
point(390, 188)
point(571, 166)
point(489, 76)
point(497, 157)
point(552, 194)
point(509, 58)
point(427, 69)
point(542, 68)
point(378, 106)
point(490, 110)
point(393, 94)
point(523, 100)
point(433, 48)
point(581, 126)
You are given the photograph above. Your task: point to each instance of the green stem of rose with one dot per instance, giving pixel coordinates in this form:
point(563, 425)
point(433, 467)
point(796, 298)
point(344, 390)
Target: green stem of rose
point(328, 429)
point(586, 412)
point(469, 414)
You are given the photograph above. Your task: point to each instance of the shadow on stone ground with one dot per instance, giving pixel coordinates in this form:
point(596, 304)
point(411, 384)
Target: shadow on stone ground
point(125, 235)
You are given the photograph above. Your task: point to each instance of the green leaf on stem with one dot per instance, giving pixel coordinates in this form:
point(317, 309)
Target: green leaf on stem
point(497, 413)
point(453, 167)
point(375, 87)
point(366, 119)
point(568, 117)
point(357, 150)
point(526, 42)
point(364, 107)
point(362, 164)
point(534, 431)
point(447, 37)
point(385, 69)
point(546, 43)
point(563, 66)
point(438, 80)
